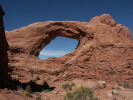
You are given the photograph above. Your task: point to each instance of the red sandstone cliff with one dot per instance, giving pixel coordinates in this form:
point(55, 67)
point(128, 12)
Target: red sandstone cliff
point(105, 50)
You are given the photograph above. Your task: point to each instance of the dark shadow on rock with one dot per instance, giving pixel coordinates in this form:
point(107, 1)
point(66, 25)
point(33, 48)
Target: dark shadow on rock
point(16, 85)
point(4, 47)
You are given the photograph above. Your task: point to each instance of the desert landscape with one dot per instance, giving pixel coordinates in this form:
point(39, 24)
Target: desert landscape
point(102, 63)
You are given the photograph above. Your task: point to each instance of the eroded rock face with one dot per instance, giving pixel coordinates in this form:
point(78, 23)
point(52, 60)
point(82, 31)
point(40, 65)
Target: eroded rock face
point(105, 50)
point(3, 51)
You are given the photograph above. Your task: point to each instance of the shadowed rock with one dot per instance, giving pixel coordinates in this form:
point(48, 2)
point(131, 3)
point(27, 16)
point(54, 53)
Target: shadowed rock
point(3, 52)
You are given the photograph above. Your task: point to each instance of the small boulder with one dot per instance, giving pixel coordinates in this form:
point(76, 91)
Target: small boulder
point(115, 92)
point(100, 85)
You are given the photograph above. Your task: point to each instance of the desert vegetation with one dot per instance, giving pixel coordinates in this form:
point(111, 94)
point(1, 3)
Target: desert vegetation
point(68, 86)
point(83, 93)
point(126, 85)
point(38, 96)
point(37, 78)
point(114, 98)
point(28, 91)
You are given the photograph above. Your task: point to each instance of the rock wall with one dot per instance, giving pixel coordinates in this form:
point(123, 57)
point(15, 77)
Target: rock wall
point(105, 50)
point(3, 51)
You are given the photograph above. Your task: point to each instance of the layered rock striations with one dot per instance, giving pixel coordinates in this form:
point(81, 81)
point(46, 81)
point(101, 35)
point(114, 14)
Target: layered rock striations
point(104, 52)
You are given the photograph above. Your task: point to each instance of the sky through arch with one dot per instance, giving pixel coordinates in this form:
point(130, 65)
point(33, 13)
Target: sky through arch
point(58, 47)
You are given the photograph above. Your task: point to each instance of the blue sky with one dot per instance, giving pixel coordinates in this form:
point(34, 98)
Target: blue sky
point(21, 13)
point(58, 47)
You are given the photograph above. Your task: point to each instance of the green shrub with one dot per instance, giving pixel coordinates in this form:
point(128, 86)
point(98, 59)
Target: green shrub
point(56, 73)
point(48, 78)
point(28, 94)
point(83, 93)
point(114, 98)
point(28, 91)
point(49, 99)
point(68, 96)
point(120, 84)
point(68, 86)
point(72, 84)
point(126, 85)
point(38, 96)
point(37, 78)
point(45, 90)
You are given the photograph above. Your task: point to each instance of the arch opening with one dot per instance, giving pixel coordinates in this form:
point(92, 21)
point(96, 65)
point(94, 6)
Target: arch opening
point(58, 47)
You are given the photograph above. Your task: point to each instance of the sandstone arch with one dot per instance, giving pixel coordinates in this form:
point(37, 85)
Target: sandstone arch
point(104, 50)
point(38, 35)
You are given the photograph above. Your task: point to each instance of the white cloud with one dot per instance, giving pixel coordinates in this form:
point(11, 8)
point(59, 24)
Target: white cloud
point(53, 53)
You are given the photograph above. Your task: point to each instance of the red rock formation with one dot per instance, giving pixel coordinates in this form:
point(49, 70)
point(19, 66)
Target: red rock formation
point(105, 50)
point(3, 51)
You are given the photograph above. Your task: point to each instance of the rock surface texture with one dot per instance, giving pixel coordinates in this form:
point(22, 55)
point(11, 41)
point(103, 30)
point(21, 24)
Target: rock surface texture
point(3, 52)
point(104, 52)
